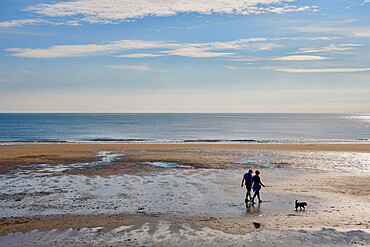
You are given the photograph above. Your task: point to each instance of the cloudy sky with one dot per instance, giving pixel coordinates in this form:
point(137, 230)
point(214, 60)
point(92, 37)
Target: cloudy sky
point(185, 56)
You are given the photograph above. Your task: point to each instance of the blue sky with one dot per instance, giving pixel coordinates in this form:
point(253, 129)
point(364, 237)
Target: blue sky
point(184, 56)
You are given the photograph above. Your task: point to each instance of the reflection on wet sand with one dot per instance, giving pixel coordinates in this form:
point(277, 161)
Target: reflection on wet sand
point(253, 209)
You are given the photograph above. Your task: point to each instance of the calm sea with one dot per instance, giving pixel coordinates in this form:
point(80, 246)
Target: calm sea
point(185, 127)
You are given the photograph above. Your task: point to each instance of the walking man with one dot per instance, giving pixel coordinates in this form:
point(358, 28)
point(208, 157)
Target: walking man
point(247, 179)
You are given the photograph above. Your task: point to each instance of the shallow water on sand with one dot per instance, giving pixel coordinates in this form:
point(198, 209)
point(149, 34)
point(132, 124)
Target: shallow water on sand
point(326, 161)
point(173, 189)
point(206, 192)
point(161, 234)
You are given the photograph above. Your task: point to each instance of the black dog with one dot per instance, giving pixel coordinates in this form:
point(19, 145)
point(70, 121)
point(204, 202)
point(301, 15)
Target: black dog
point(300, 205)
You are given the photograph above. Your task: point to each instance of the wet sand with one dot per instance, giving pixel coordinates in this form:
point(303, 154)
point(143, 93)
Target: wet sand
point(127, 190)
point(64, 153)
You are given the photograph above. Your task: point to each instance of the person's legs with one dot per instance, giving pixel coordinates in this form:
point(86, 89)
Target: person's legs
point(258, 195)
point(249, 188)
point(254, 195)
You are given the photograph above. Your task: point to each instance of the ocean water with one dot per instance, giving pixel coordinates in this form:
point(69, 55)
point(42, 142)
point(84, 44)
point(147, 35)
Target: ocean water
point(184, 127)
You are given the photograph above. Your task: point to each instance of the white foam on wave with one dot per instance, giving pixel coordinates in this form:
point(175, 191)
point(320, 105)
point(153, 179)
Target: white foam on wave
point(168, 165)
point(108, 156)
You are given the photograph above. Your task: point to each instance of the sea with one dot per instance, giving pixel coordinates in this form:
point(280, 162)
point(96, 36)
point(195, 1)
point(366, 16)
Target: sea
point(183, 127)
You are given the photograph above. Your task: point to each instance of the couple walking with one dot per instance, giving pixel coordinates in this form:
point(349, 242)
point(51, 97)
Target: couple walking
point(254, 181)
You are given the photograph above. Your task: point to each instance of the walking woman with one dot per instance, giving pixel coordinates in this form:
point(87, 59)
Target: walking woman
point(256, 183)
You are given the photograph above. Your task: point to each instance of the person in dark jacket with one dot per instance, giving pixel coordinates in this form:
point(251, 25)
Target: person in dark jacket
point(247, 179)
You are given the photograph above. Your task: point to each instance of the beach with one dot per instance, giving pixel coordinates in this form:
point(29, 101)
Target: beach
point(184, 194)
point(136, 123)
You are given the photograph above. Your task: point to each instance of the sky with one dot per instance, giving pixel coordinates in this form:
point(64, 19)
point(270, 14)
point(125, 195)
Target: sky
point(185, 56)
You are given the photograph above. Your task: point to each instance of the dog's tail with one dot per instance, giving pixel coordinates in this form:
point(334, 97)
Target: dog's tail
point(296, 201)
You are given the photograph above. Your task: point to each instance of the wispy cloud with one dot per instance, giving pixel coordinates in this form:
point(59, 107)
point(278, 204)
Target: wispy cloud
point(27, 22)
point(146, 49)
point(97, 11)
point(299, 58)
point(18, 72)
point(332, 48)
point(267, 46)
point(317, 70)
point(191, 51)
point(116, 48)
point(22, 22)
point(355, 31)
point(143, 67)
point(26, 72)
point(245, 59)
point(89, 49)
point(140, 55)
point(232, 67)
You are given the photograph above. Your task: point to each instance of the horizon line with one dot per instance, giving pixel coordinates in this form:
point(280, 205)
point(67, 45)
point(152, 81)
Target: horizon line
point(184, 112)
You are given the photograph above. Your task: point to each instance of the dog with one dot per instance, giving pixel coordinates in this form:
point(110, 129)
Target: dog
point(300, 205)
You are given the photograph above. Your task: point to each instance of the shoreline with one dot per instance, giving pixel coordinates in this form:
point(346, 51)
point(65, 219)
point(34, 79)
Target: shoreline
point(62, 153)
point(197, 142)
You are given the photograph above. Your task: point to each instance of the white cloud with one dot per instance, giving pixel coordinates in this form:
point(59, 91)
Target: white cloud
point(71, 23)
point(116, 48)
point(18, 23)
point(267, 46)
point(26, 72)
point(140, 55)
point(216, 49)
point(356, 31)
point(232, 67)
point(319, 38)
point(143, 67)
point(317, 70)
point(98, 11)
point(196, 52)
point(125, 48)
point(365, 33)
point(89, 49)
point(332, 48)
point(25, 22)
point(299, 58)
point(245, 59)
